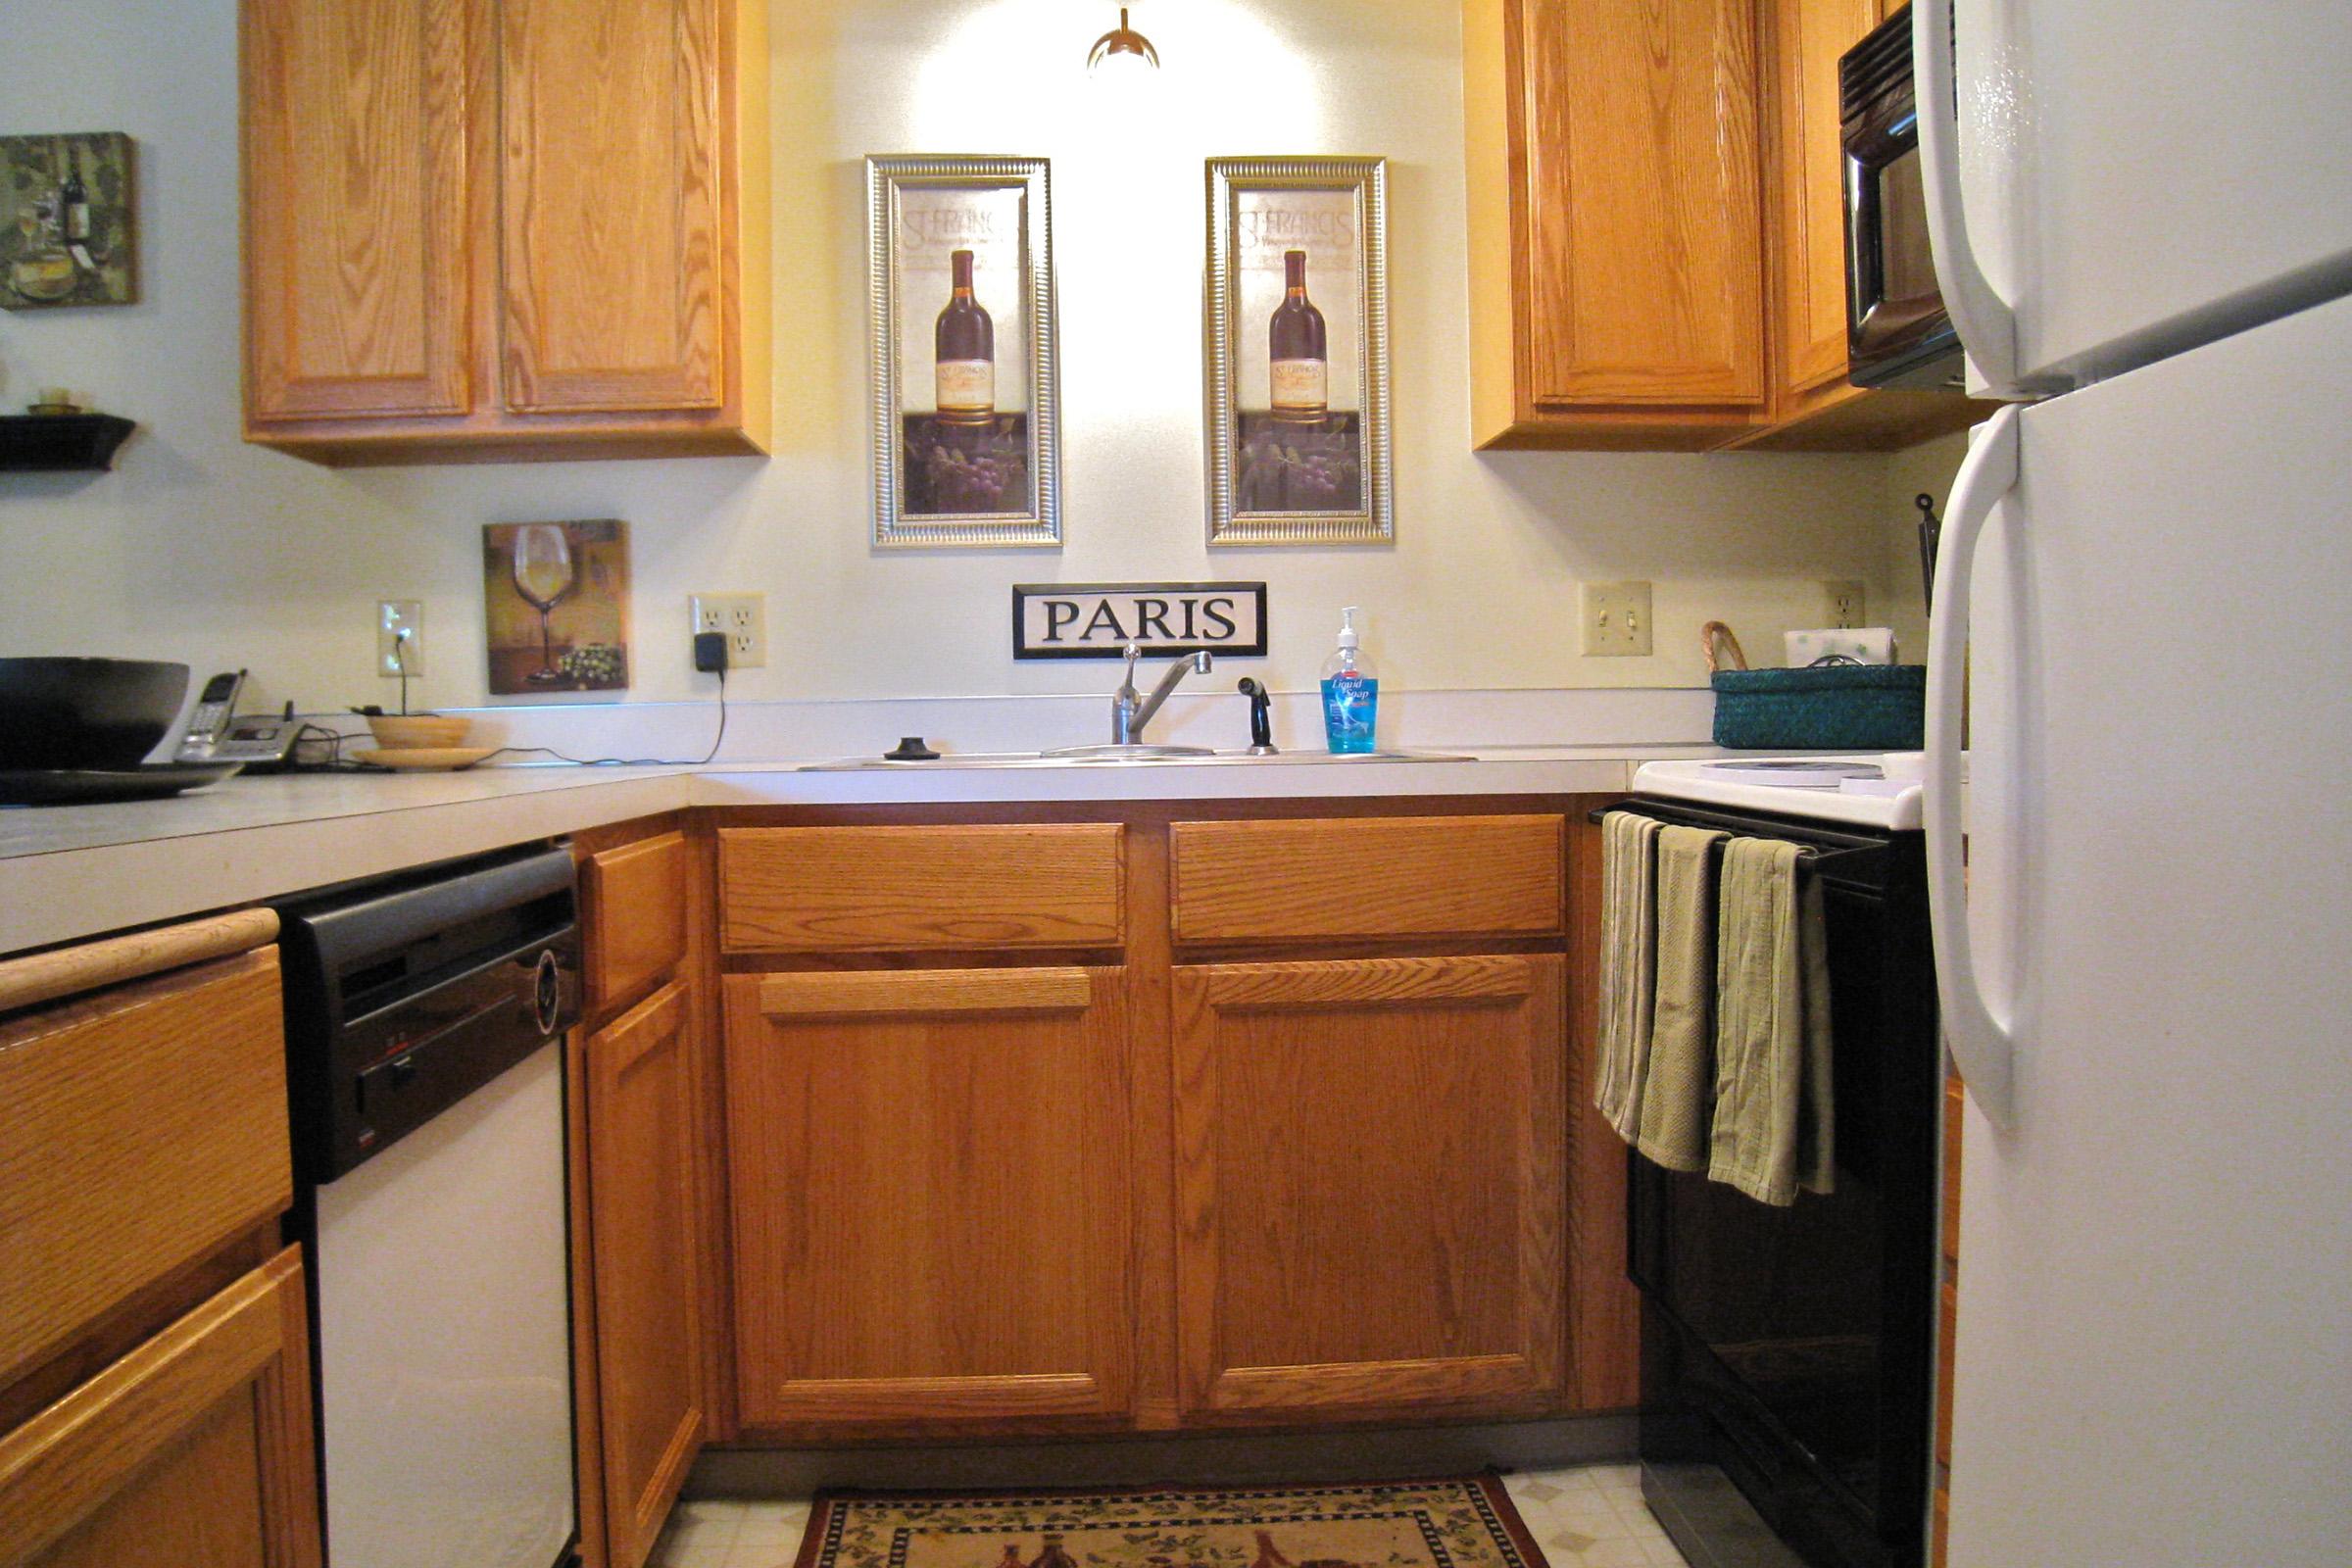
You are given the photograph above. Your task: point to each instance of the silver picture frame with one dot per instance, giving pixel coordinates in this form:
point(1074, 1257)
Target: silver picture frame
point(1255, 473)
point(904, 272)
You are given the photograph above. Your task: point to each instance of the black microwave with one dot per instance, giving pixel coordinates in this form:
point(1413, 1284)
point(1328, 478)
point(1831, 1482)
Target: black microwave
point(1898, 332)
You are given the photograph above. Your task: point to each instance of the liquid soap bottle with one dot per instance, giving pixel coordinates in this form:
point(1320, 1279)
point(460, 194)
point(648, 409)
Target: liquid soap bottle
point(1350, 694)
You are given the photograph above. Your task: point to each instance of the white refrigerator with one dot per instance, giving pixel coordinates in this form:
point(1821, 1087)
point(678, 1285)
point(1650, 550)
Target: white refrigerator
point(2142, 219)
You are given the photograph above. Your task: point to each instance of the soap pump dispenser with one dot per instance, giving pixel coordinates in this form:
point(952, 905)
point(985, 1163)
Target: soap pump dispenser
point(1350, 694)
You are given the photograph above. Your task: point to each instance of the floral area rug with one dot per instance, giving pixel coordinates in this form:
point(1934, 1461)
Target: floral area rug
point(1466, 1523)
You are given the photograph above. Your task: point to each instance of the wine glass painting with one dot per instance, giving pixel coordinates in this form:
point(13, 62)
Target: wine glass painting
point(1298, 351)
point(71, 239)
point(556, 600)
point(966, 451)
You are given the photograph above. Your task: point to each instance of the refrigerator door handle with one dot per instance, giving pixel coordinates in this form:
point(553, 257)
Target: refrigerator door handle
point(1987, 324)
point(1983, 1048)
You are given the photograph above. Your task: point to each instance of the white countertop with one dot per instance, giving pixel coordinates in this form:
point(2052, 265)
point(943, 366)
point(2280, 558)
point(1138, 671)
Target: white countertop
point(74, 871)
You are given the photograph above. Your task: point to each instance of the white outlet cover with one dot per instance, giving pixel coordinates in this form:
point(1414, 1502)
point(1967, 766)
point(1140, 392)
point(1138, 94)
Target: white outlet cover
point(392, 617)
point(742, 617)
point(1614, 619)
point(1843, 604)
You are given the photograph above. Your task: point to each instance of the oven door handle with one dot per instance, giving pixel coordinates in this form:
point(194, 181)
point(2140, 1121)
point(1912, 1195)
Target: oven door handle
point(1985, 321)
point(1983, 1045)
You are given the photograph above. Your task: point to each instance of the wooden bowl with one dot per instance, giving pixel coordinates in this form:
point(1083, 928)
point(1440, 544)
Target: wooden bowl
point(398, 732)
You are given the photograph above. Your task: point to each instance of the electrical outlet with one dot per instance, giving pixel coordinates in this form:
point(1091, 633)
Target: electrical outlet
point(1616, 619)
point(394, 616)
point(1842, 603)
point(743, 617)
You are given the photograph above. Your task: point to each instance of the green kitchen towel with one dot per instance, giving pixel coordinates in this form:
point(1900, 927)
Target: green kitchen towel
point(1678, 1095)
point(1772, 1122)
point(1627, 943)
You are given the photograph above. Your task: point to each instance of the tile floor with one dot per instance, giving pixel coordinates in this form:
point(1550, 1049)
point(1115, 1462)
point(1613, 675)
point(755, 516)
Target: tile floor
point(1587, 1518)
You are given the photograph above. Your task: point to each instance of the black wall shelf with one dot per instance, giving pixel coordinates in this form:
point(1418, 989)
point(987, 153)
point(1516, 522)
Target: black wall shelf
point(59, 443)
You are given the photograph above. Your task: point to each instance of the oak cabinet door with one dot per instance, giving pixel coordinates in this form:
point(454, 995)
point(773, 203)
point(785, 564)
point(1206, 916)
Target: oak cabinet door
point(645, 1203)
point(929, 1185)
point(356, 209)
point(1809, 224)
point(194, 1451)
point(1644, 221)
point(610, 187)
point(1370, 1178)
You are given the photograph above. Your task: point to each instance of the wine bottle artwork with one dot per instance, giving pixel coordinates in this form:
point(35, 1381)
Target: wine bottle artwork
point(544, 576)
point(72, 240)
point(1298, 347)
point(966, 397)
point(1297, 332)
point(965, 345)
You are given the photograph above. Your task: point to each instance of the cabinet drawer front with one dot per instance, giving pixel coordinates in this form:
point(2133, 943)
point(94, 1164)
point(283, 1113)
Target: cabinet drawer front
point(903, 889)
point(1382, 876)
point(139, 1130)
point(636, 915)
point(194, 1447)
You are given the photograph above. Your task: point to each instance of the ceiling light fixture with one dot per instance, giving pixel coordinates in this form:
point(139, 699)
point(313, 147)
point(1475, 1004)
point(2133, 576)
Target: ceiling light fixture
point(1122, 41)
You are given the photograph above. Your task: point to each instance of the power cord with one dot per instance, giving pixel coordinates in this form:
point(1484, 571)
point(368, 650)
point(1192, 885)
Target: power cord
point(716, 742)
point(710, 654)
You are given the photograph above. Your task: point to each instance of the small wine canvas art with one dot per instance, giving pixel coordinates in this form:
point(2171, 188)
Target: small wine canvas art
point(1298, 351)
point(965, 449)
point(69, 235)
point(556, 605)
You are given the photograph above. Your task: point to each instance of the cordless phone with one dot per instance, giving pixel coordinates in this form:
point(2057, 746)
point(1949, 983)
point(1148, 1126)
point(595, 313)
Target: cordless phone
point(209, 719)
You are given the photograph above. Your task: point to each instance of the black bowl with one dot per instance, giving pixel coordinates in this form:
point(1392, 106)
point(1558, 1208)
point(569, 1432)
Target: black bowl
point(86, 712)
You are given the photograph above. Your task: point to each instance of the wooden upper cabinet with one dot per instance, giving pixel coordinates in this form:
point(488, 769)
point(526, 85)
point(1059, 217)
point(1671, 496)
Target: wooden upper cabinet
point(1814, 407)
point(1657, 230)
point(1370, 1174)
point(611, 304)
point(1617, 288)
point(645, 1181)
point(1809, 208)
point(489, 231)
point(930, 1186)
point(356, 245)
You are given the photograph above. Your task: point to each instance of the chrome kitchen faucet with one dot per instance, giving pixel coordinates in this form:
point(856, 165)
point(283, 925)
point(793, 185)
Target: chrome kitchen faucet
point(1130, 713)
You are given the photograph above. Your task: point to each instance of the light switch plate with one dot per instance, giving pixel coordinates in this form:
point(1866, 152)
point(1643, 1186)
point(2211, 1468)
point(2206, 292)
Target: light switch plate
point(1615, 617)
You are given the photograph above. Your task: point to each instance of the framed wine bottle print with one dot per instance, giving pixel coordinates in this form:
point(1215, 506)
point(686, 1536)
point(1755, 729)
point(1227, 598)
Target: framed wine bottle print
point(1298, 361)
point(967, 441)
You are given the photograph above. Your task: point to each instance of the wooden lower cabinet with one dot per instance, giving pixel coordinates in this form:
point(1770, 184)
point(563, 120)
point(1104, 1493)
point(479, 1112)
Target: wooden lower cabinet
point(646, 1184)
point(929, 1179)
point(1370, 1161)
point(193, 1450)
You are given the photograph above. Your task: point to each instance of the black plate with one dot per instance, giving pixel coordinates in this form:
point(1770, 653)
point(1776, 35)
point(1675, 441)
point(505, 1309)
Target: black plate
point(82, 786)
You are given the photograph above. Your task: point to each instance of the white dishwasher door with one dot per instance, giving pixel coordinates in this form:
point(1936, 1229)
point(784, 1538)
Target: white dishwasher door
point(444, 1341)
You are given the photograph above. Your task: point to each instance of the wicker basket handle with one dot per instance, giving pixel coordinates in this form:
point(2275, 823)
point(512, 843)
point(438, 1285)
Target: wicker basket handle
point(1716, 638)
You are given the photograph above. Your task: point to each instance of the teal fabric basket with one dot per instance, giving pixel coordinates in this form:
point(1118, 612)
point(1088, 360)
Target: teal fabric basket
point(1836, 707)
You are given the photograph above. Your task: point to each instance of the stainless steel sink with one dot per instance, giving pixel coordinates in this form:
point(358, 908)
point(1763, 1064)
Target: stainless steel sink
point(1125, 757)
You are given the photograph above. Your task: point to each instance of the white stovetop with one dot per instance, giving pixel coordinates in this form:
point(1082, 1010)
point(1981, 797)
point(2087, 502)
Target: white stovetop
point(1703, 781)
point(74, 871)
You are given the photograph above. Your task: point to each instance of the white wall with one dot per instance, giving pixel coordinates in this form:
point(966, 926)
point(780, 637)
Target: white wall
point(1928, 469)
point(200, 548)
